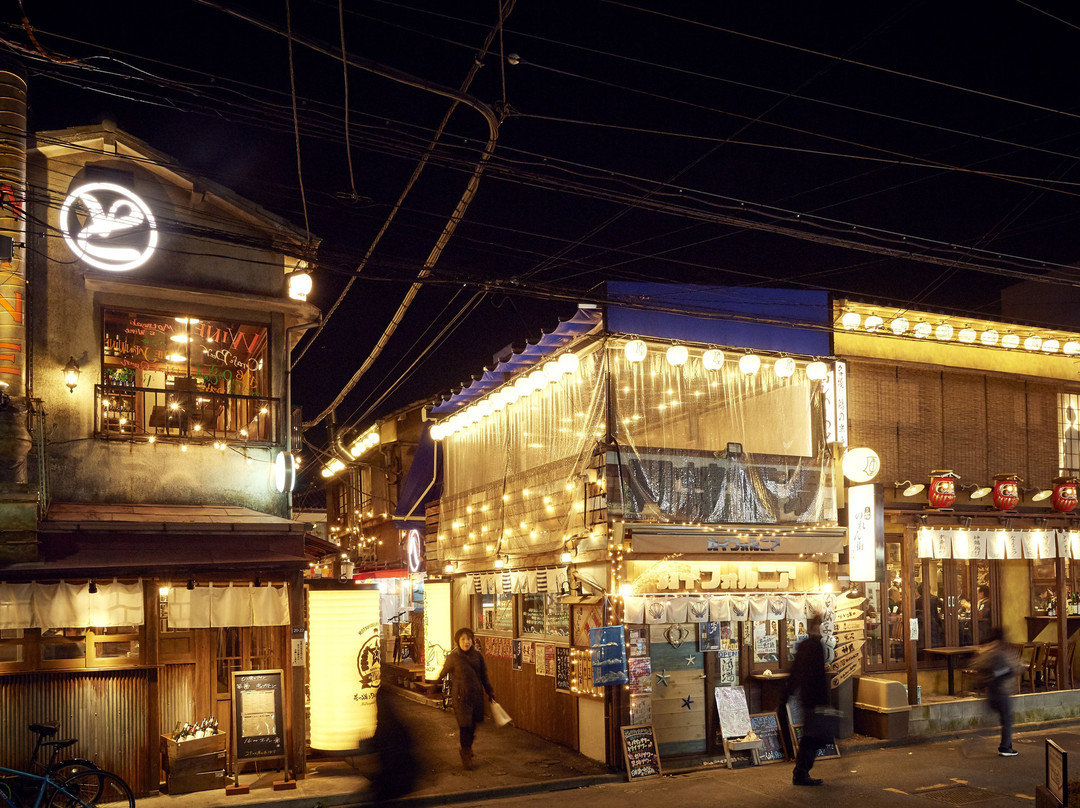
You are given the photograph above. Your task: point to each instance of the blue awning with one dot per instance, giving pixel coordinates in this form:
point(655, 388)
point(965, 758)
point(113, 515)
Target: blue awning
point(423, 484)
point(584, 321)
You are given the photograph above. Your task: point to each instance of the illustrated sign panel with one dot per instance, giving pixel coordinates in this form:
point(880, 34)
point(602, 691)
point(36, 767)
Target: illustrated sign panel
point(639, 750)
point(562, 668)
point(733, 712)
point(258, 720)
point(608, 655)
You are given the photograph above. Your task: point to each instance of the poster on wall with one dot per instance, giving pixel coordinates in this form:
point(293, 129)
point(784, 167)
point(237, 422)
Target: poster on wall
point(562, 668)
point(608, 655)
point(528, 652)
point(639, 640)
point(586, 617)
point(640, 709)
point(729, 667)
point(516, 654)
point(640, 675)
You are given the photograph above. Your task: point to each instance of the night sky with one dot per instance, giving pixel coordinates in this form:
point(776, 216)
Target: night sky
point(921, 154)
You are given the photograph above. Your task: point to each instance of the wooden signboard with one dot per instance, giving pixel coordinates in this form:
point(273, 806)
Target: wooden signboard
point(767, 728)
point(258, 717)
point(562, 668)
point(795, 726)
point(639, 750)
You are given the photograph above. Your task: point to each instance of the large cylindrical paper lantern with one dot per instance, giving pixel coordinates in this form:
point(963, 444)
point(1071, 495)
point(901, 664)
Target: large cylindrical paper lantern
point(344, 656)
point(438, 639)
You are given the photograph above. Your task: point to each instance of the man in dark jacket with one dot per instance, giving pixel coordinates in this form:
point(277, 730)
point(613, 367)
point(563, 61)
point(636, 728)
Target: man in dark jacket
point(809, 685)
point(468, 683)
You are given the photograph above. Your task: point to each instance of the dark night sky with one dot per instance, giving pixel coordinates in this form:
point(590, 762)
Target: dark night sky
point(706, 142)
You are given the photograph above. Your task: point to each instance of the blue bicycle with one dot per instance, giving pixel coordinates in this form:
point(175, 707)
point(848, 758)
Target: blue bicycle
point(19, 789)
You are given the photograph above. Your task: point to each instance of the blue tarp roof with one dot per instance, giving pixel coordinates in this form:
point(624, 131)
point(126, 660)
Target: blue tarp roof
point(423, 484)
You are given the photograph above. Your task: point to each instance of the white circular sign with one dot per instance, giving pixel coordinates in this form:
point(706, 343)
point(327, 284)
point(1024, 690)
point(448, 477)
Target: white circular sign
point(284, 472)
point(415, 550)
point(861, 465)
point(108, 226)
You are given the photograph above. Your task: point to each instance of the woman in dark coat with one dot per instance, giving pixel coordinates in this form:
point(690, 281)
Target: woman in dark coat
point(468, 683)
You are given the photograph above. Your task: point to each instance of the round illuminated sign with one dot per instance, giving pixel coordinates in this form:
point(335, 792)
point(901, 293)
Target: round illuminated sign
point(108, 226)
point(861, 465)
point(415, 550)
point(284, 472)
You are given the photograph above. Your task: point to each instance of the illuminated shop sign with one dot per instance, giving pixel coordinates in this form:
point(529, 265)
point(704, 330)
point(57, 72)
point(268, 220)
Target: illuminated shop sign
point(866, 532)
point(415, 548)
point(108, 226)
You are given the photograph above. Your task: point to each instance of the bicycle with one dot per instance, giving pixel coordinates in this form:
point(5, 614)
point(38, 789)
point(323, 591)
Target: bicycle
point(108, 789)
point(68, 767)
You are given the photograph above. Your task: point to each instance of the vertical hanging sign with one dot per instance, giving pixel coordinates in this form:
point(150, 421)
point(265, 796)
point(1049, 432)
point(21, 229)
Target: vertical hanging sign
point(437, 635)
point(866, 532)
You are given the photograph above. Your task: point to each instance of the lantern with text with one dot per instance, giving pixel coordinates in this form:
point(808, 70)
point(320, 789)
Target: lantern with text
point(438, 634)
point(1006, 491)
point(942, 489)
point(344, 665)
point(1064, 498)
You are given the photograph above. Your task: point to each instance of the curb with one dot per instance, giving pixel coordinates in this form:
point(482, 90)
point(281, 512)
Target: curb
point(499, 792)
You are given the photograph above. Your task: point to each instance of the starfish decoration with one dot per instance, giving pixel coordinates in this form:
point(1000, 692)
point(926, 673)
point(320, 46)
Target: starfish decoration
point(687, 702)
point(691, 660)
point(661, 678)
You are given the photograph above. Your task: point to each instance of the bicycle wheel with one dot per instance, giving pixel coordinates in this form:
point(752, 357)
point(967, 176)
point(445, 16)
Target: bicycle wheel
point(65, 770)
point(92, 788)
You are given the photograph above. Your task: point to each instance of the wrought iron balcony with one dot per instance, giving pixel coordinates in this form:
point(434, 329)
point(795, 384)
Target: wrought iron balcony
point(183, 415)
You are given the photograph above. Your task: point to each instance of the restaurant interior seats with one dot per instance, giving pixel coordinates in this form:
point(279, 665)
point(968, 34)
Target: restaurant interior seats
point(1032, 658)
point(1050, 662)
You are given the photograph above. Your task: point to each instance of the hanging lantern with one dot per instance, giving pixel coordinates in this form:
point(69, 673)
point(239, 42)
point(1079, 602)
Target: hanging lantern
point(784, 367)
point(1064, 497)
point(713, 359)
point(749, 363)
point(677, 355)
point(1006, 491)
point(344, 653)
point(635, 350)
point(816, 371)
point(942, 489)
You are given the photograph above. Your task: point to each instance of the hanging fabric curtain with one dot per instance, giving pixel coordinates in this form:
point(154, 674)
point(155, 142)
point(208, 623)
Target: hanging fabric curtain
point(230, 606)
point(189, 608)
point(270, 605)
point(15, 607)
point(61, 605)
point(117, 604)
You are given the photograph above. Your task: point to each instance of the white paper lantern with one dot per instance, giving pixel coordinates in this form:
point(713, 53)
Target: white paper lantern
point(713, 359)
point(989, 338)
point(1032, 343)
point(850, 321)
point(943, 332)
point(784, 367)
point(677, 355)
point(966, 335)
point(749, 363)
point(345, 672)
point(1010, 341)
point(636, 350)
point(569, 362)
point(873, 323)
point(816, 371)
point(900, 326)
point(923, 330)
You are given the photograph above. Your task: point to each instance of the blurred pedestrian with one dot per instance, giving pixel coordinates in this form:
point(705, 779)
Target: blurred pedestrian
point(809, 686)
point(398, 766)
point(468, 684)
point(997, 669)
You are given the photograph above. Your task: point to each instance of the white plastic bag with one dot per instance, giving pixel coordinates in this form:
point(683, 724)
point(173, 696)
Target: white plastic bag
point(501, 717)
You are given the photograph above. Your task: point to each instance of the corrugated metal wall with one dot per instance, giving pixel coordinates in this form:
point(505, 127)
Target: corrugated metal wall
point(176, 693)
point(105, 710)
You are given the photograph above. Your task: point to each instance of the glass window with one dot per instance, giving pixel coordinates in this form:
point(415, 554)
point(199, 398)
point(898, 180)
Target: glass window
point(494, 613)
point(544, 614)
point(1069, 433)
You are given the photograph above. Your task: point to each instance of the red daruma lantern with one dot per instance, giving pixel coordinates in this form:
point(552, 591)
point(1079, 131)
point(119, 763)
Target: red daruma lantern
point(1064, 499)
point(942, 489)
point(1007, 491)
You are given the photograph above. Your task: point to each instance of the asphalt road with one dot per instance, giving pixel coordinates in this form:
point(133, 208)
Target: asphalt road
point(965, 771)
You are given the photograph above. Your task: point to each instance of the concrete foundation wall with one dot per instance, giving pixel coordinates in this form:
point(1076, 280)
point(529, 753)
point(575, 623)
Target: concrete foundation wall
point(965, 714)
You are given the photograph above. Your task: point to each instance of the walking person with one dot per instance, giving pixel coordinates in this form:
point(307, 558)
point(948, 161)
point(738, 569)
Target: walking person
point(809, 685)
point(997, 673)
point(468, 684)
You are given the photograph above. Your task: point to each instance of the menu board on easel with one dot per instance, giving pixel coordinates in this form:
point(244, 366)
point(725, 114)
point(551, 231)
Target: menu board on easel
point(767, 727)
point(639, 750)
point(258, 718)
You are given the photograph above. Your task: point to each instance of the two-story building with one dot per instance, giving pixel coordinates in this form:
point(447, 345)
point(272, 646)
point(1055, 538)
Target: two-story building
point(146, 321)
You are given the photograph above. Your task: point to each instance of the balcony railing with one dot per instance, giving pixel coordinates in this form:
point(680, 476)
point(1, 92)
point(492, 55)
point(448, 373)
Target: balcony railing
point(183, 415)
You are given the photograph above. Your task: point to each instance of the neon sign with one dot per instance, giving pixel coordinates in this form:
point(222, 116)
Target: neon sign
point(108, 226)
point(415, 550)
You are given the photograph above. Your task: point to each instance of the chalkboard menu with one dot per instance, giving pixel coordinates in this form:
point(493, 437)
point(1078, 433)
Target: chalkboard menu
point(639, 748)
point(829, 750)
point(767, 727)
point(562, 668)
point(258, 720)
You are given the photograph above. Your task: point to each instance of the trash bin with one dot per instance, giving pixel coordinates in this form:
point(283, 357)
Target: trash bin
point(881, 708)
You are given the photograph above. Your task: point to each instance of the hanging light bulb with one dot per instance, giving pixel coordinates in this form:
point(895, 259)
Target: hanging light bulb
point(749, 363)
point(677, 355)
point(784, 367)
point(817, 370)
point(713, 359)
point(636, 350)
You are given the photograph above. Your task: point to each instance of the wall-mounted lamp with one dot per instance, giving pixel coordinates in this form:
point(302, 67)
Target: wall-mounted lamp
point(965, 523)
point(191, 584)
point(910, 488)
point(449, 568)
point(1039, 496)
point(975, 491)
point(299, 285)
point(71, 374)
